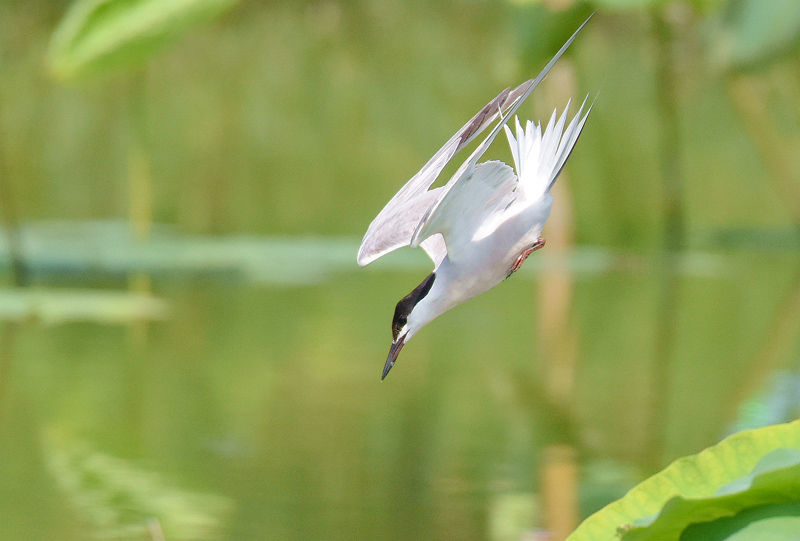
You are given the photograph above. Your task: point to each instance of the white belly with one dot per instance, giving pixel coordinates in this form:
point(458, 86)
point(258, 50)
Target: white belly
point(488, 260)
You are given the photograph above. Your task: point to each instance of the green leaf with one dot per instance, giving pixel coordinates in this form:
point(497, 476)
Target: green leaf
point(57, 306)
point(757, 524)
point(776, 478)
point(96, 36)
point(771, 529)
point(731, 469)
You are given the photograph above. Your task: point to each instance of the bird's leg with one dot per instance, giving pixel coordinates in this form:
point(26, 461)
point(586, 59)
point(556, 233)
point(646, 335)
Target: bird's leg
point(524, 255)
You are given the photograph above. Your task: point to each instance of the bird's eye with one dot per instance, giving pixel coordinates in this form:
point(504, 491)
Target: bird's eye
point(408, 302)
point(397, 326)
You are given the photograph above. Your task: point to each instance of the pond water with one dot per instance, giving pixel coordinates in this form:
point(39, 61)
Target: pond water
point(255, 410)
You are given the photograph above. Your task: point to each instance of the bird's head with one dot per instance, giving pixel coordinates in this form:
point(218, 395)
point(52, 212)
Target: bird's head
point(409, 317)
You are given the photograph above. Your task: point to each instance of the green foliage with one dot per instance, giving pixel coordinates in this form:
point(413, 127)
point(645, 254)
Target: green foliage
point(625, 4)
point(776, 522)
point(745, 471)
point(774, 479)
point(101, 35)
point(773, 529)
point(749, 32)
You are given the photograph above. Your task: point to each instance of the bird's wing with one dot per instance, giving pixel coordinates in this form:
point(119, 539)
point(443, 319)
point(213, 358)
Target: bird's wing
point(393, 227)
point(467, 168)
point(390, 229)
point(487, 189)
point(436, 249)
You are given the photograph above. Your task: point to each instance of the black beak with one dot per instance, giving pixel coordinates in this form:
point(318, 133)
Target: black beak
point(394, 351)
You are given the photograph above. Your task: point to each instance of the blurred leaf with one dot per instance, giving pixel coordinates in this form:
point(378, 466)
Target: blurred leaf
point(777, 402)
point(109, 248)
point(747, 469)
point(598, 4)
point(512, 514)
point(748, 32)
point(540, 31)
point(122, 500)
point(101, 35)
point(54, 307)
point(625, 4)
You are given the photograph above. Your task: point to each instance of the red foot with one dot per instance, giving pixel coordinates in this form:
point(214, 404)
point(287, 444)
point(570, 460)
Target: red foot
point(524, 255)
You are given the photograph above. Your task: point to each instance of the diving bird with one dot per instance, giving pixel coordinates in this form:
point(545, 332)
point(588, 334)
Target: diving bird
point(481, 226)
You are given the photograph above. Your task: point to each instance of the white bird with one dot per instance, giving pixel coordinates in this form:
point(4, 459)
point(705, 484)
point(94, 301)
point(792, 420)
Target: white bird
point(481, 226)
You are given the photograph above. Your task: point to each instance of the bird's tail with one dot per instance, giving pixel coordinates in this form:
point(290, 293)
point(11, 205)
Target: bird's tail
point(540, 156)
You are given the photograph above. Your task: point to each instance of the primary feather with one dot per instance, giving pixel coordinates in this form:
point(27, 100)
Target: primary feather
point(391, 229)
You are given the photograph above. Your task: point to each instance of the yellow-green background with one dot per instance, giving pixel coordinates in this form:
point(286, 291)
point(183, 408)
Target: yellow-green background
point(252, 407)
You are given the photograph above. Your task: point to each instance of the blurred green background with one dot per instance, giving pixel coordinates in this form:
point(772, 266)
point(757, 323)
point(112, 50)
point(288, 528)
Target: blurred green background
point(188, 349)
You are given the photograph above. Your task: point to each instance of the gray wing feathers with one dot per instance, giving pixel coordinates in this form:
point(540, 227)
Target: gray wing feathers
point(463, 209)
point(519, 95)
point(436, 249)
point(388, 230)
point(394, 227)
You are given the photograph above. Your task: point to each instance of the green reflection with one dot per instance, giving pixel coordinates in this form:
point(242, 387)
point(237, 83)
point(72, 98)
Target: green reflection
point(121, 500)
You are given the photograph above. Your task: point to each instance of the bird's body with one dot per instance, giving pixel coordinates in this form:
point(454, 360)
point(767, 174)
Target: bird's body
point(488, 260)
point(480, 226)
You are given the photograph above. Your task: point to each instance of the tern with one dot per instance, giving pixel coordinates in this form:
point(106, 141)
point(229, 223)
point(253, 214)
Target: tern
point(481, 226)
